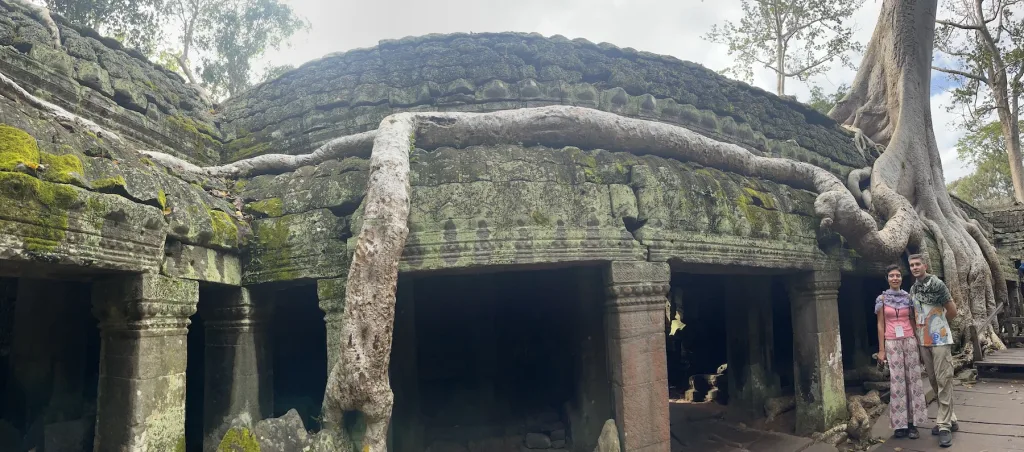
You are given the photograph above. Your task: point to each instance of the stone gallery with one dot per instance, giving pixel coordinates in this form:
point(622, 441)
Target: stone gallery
point(164, 288)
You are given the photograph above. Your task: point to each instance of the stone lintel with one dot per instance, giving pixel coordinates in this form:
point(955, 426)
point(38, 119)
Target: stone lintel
point(634, 327)
point(239, 373)
point(817, 351)
point(201, 264)
point(144, 324)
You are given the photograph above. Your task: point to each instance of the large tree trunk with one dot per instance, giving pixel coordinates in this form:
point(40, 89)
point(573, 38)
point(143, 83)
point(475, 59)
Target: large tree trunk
point(1011, 134)
point(359, 380)
point(889, 102)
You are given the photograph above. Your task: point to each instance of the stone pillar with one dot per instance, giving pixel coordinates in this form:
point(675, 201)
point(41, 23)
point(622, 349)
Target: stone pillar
point(635, 331)
point(331, 293)
point(239, 376)
point(817, 352)
point(750, 343)
point(144, 322)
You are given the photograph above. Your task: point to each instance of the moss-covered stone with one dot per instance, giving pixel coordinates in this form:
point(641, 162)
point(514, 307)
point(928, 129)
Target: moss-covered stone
point(46, 226)
point(225, 232)
point(65, 169)
point(266, 207)
point(108, 183)
point(238, 440)
point(17, 147)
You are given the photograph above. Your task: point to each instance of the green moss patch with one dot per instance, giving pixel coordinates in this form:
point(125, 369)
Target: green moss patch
point(109, 182)
point(41, 206)
point(272, 207)
point(238, 440)
point(63, 169)
point(17, 147)
point(225, 232)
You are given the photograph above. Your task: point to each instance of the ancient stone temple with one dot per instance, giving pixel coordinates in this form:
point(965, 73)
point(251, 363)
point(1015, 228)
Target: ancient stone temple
point(144, 308)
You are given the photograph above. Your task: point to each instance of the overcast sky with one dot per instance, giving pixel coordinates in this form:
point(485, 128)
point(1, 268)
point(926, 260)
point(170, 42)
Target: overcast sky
point(670, 27)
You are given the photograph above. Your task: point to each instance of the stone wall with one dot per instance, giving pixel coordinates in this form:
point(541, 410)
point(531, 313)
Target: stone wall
point(96, 77)
point(1008, 225)
point(351, 92)
point(510, 204)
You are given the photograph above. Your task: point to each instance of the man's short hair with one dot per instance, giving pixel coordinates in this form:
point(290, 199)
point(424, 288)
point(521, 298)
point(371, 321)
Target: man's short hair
point(892, 267)
point(919, 256)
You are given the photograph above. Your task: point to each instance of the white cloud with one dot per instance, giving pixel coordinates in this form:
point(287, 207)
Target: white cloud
point(660, 26)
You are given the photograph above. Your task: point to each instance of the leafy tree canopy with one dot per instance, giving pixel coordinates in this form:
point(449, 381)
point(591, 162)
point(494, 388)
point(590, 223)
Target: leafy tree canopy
point(990, 184)
point(824, 102)
point(793, 38)
point(213, 43)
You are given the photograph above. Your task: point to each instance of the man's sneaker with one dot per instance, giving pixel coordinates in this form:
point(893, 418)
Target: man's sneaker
point(955, 427)
point(900, 433)
point(945, 438)
point(912, 432)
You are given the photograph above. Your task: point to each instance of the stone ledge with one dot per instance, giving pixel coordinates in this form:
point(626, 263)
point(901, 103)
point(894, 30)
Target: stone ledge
point(62, 224)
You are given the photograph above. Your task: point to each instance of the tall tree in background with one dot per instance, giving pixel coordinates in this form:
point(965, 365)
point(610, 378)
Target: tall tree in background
point(793, 38)
point(982, 40)
point(990, 184)
point(136, 23)
point(225, 37)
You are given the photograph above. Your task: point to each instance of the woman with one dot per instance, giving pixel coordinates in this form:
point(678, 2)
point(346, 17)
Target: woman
point(898, 347)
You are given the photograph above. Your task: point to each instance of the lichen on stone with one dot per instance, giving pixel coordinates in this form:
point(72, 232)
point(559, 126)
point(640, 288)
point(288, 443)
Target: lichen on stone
point(225, 232)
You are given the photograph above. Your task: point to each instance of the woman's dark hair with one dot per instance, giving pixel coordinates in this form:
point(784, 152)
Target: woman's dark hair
point(892, 267)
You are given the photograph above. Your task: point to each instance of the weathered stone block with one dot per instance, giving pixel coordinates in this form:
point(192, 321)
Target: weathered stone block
point(92, 75)
point(201, 264)
point(62, 224)
point(53, 59)
point(308, 245)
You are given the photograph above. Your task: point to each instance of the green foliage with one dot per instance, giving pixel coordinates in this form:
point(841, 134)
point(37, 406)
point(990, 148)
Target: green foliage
point(224, 36)
point(136, 23)
point(274, 72)
point(242, 30)
point(986, 60)
point(824, 102)
point(989, 185)
point(804, 34)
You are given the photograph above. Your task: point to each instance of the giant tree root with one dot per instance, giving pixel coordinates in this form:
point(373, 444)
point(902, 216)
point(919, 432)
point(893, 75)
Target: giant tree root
point(43, 14)
point(889, 103)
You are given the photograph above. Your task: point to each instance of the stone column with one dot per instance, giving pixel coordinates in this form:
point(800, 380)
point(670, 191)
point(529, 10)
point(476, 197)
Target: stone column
point(239, 374)
point(635, 331)
point(817, 352)
point(144, 322)
point(331, 293)
point(750, 343)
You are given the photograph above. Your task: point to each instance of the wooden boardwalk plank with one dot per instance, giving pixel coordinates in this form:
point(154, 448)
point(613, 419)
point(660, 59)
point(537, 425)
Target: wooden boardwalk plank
point(991, 415)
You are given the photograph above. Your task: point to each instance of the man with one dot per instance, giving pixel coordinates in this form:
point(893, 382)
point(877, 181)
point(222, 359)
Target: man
point(934, 307)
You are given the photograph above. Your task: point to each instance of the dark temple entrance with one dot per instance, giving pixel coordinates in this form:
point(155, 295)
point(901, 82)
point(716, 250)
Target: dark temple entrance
point(502, 361)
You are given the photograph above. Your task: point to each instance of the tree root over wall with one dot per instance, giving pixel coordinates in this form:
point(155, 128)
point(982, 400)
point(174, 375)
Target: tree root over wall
point(888, 103)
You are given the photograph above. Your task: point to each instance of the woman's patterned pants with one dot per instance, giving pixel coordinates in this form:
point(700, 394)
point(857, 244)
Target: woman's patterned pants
point(906, 404)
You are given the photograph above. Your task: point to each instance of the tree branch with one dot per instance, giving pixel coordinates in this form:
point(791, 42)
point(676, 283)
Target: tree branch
point(960, 26)
point(962, 74)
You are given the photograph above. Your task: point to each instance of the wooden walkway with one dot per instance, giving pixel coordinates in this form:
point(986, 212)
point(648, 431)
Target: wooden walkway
point(991, 415)
point(1009, 359)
